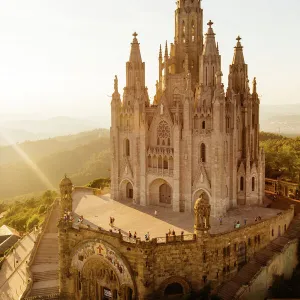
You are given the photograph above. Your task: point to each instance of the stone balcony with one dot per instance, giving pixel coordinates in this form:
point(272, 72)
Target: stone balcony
point(160, 172)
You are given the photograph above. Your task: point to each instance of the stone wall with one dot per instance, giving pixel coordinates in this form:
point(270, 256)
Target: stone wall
point(283, 263)
point(188, 260)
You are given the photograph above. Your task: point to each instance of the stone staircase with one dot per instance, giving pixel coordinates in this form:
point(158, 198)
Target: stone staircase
point(45, 264)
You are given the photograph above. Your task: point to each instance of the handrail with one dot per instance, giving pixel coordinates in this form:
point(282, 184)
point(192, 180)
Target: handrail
point(36, 246)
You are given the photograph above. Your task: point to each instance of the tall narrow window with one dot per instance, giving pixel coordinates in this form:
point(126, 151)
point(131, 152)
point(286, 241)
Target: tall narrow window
point(253, 184)
point(242, 183)
point(127, 147)
point(183, 31)
point(206, 75)
point(203, 124)
point(213, 76)
point(203, 153)
point(193, 31)
point(166, 164)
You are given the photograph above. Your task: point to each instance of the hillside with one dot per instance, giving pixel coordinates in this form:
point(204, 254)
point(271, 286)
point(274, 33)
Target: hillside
point(83, 157)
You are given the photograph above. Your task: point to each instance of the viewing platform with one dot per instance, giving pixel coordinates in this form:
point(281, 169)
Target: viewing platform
point(97, 210)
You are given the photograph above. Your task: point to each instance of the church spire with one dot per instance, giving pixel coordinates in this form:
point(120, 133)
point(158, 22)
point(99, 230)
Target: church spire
point(135, 68)
point(210, 47)
point(238, 58)
point(135, 54)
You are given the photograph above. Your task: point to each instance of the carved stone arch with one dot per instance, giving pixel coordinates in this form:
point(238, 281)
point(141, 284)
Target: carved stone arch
point(206, 192)
point(174, 279)
point(86, 249)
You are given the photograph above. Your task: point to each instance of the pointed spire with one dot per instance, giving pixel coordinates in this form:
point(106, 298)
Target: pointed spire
point(254, 86)
point(135, 54)
point(238, 53)
point(210, 47)
point(116, 84)
point(166, 50)
point(160, 52)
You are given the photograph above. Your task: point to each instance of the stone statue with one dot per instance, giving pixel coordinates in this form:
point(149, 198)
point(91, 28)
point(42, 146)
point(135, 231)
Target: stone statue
point(202, 210)
point(161, 109)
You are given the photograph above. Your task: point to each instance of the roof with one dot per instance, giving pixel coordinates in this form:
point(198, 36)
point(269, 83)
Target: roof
point(7, 231)
point(8, 243)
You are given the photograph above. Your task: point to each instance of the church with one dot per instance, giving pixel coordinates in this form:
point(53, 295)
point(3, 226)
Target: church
point(196, 137)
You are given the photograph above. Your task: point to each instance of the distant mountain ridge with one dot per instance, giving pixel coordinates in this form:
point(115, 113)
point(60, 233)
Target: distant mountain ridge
point(84, 157)
point(18, 131)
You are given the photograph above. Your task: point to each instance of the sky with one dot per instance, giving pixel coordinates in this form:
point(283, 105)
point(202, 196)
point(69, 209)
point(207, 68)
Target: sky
point(59, 57)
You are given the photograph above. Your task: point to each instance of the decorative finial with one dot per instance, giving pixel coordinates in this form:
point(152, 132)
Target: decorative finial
point(135, 35)
point(116, 84)
point(238, 38)
point(210, 23)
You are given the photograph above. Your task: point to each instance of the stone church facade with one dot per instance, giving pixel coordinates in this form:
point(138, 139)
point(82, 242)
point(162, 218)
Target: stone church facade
point(196, 136)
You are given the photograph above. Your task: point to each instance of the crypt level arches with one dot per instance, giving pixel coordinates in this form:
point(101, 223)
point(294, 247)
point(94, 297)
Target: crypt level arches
point(99, 281)
point(161, 192)
point(174, 288)
point(126, 190)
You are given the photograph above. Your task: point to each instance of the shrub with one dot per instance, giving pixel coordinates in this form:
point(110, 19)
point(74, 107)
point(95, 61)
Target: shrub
point(42, 209)
point(34, 220)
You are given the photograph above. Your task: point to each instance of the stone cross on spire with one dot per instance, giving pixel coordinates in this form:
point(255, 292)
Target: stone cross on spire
point(238, 38)
point(210, 23)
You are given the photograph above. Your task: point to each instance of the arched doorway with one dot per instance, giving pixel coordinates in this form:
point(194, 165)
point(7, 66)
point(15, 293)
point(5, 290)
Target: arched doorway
point(99, 281)
point(160, 192)
point(165, 194)
point(174, 290)
point(126, 191)
point(129, 190)
point(241, 255)
point(126, 293)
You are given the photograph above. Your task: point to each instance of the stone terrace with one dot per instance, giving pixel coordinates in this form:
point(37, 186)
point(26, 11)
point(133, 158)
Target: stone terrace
point(97, 210)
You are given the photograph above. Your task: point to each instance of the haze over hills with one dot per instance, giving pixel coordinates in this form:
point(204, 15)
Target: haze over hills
point(84, 157)
point(284, 119)
point(17, 130)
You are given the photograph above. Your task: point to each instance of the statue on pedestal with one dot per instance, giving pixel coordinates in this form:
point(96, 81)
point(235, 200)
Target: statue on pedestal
point(202, 210)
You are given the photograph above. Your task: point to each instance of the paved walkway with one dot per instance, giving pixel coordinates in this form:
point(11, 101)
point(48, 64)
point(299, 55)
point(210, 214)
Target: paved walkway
point(13, 274)
point(97, 210)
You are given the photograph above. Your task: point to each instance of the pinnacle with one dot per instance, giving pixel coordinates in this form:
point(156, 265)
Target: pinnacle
point(238, 53)
point(135, 54)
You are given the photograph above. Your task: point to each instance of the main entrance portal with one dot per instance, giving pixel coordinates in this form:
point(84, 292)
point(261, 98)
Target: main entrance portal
point(165, 194)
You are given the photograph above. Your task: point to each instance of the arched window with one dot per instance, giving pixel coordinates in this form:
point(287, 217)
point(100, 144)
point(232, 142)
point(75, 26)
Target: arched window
point(127, 147)
point(241, 183)
point(284, 227)
point(183, 31)
point(174, 289)
point(203, 153)
point(203, 124)
point(253, 184)
point(166, 164)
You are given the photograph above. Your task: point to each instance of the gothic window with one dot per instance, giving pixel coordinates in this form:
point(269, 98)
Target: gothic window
point(163, 133)
point(203, 152)
point(169, 142)
point(183, 31)
point(203, 124)
point(242, 183)
point(127, 147)
point(166, 164)
point(157, 141)
point(149, 161)
point(253, 184)
point(284, 227)
point(206, 76)
point(272, 232)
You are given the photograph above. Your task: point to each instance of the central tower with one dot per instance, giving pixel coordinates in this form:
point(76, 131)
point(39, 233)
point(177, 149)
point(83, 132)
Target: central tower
point(195, 138)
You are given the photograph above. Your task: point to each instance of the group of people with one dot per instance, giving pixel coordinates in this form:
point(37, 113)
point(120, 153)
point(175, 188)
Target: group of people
point(132, 236)
point(172, 233)
point(68, 216)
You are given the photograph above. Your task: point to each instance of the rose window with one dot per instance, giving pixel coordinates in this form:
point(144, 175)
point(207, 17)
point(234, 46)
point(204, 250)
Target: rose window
point(163, 134)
